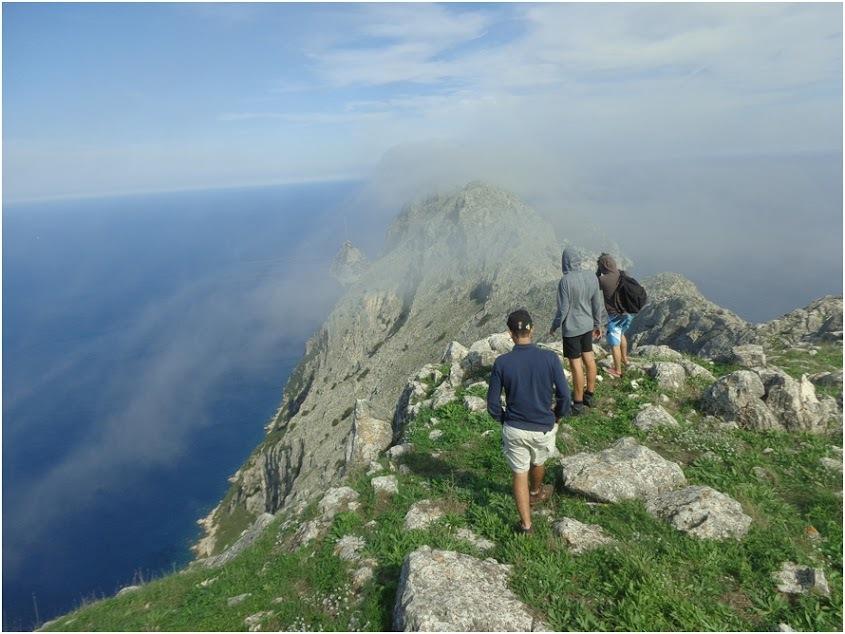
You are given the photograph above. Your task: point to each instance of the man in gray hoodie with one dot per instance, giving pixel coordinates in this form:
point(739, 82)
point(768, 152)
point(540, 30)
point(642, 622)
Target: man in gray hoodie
point(580, 310)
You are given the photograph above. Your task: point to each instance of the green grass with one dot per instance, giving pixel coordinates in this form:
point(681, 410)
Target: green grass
point(655, 578)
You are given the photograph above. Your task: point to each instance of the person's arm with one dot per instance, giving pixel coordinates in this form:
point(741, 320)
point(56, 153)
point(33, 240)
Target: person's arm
point(599, 314)
point(494, 393)
point(563, 399)
point(562, 307)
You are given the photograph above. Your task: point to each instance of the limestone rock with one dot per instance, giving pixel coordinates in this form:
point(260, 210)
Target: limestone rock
point(363, 574)
point(831, 463)
point(664, 353)
point(476, 540)
point(348, 547)
point(444, 591)
point(370, 436)
point(739, 397)
point(580, 537)
point(669, 375)
point(653, 416)
point(443, 395)
point(455, 353)
point(434, 434)
point(307, 532)
point(127, 590)
point(349, 264)
point(253, 621)
point(827, 379)
point(697, 371)
point(385, 485)
point(795, 579)
point(701, 512)
point(625, 470)
point(400, 450)
point(243, 542)
point(677, 315)
point(475, 403)
point(233, 601)
point(821, 320)
point(479, 357)
point(422, 514)
point(337, 499)
point(748, 356)
point(500, 342)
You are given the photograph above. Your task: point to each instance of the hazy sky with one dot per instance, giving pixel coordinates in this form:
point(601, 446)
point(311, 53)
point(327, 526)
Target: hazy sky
point(100, 98)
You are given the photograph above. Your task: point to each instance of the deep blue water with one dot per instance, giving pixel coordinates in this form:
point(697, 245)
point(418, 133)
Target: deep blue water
point(146, 340)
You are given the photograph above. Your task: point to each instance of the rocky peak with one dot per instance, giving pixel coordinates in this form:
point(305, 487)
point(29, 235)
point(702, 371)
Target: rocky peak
point(666, 285)
point(349, 264)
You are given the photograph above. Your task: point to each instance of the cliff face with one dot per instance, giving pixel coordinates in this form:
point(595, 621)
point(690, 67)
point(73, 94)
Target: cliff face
point(454, 266)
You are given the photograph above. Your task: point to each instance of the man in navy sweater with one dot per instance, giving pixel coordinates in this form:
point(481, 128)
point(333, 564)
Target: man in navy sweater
point(530, 377)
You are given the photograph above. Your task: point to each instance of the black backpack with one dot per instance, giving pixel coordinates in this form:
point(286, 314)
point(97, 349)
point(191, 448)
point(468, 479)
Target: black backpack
point(629, 295)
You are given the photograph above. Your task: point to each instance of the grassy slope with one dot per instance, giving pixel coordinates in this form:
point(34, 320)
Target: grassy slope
point(656, 579)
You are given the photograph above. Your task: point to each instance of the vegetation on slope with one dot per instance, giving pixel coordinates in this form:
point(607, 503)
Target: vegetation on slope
point(656, 578)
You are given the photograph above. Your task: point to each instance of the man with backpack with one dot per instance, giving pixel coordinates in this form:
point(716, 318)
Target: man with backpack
point(580, 310)
point(623, 296)
point(530, 377)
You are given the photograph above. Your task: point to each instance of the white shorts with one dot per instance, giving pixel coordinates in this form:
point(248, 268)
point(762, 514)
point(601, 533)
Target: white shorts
point(523, 448)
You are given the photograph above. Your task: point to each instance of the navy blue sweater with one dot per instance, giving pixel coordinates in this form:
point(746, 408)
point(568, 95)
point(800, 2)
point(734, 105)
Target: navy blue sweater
point(530, 377)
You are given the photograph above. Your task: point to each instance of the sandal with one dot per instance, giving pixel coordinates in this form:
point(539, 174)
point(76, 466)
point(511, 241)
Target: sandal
point(519, 529)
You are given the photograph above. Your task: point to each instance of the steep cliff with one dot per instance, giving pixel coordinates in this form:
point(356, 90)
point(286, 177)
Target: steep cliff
point(454, 265)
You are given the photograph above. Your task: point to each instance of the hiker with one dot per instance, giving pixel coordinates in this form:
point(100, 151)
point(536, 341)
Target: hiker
point(618, 319)
point(580, 311)
point(529, 376)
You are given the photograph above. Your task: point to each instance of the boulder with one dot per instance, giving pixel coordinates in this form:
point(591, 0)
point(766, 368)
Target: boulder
point(233, 601)
point(443, 395)
point(434, 434)
point(348, 547)
point(475, 403)
point(370, 436)
point(748, 356)
point(455, 353)
point(500, 343)
point(445, 591)
point(307, 532)
point(697, 371)
point(253, 621)
point(701, 512)
point(422, 514)
point(385, 485)
point(669, 375)
point(363, 573)
point(456, 375)
point(795, 579)
point(580, 537)
point(400, 450)
point(625, 470)
point(827, 379)
point(127, 590)
point(653, 416)
point(738, 396)
point(479, 542)
point(658, 352)
point(479, 357)
point(337, 499)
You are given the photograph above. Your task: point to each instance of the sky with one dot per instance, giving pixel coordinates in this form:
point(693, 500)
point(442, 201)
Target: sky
point(102, 99)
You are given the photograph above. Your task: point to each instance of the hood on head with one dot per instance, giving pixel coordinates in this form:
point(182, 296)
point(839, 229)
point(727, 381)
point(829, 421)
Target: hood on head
point(607, 264)
point(566, 261)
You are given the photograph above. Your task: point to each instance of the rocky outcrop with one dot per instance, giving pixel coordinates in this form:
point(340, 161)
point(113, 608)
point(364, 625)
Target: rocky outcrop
point(652, 416)
point(445, 591)
point(821, 320)
point(701, 512)
point(244, 541)
point(625, 470)
point(669, 375)
point(748, 356)
point(679, 316)
point(423, 514)
point(370, 436)
point(768, 398)
point(349, 264)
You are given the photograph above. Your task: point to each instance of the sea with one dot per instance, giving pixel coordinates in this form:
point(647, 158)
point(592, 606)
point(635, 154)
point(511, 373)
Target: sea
point(146, 341)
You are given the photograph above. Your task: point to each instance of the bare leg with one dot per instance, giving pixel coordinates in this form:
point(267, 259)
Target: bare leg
point(520, 494)
point(577, 369)
point(624, 349)
point(536, 476)
point(617, 358)
point(590, 363)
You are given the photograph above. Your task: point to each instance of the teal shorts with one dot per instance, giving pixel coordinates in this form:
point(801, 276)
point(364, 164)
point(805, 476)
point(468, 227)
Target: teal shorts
point(617, 326)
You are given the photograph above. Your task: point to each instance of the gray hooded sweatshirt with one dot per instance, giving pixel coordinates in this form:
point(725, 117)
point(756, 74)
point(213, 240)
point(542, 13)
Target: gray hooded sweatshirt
point(580, 303)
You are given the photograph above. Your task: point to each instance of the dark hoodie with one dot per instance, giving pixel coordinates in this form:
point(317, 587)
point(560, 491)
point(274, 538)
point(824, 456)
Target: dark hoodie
point(580, 306)
point(608, 273)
